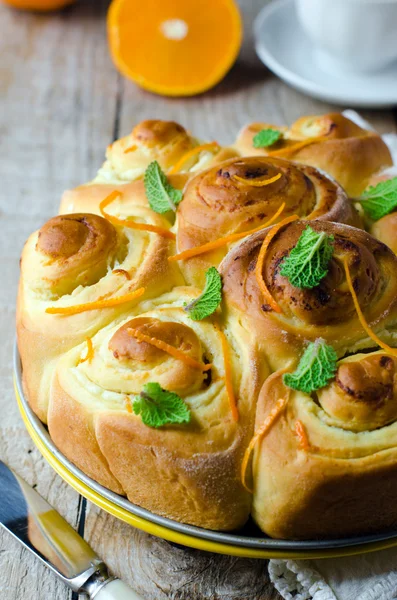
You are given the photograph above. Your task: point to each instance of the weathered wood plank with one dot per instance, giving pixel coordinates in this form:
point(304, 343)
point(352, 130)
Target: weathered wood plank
point(21, 576)
point(159, 570)
point(58, 97)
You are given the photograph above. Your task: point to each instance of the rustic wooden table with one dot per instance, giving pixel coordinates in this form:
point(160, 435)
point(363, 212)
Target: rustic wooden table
point(62, 102)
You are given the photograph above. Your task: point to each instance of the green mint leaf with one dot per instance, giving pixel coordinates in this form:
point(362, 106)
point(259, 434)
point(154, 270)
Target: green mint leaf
point(209, 299)
point(159, 407)
point(380, 200)
point(307, 263)
point(161, 195)
point(174, 194)
point(266, 137)
point(316, 368)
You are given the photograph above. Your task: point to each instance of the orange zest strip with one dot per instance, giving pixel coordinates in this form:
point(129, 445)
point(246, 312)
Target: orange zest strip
point(302, 435)
point(265, 427)
point(228, 376)
point(96, 305)
point(161, 345)
point(298, 146)
point(130, 149)
point(259, 263)
point(90, 351)
point(211, 147)
point(257, 182)
point(122, 272)
point(360, 315)
point(109, 199)
point(127, 404)
point(127, 222)
point(228, 239)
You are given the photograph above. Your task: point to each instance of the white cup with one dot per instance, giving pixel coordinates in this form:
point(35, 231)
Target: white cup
point(351, 35)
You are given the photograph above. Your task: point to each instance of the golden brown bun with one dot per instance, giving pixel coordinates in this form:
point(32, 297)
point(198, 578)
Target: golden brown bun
point(385, 229)
point(215, 204)
point(326, 311)
point(72, 260)
point(341, 480)
point(187, 472)
point(87, 198)
point(350, 154)
point(164, 141)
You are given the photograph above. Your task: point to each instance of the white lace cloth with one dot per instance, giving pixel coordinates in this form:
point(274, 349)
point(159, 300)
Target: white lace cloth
point(365, 577)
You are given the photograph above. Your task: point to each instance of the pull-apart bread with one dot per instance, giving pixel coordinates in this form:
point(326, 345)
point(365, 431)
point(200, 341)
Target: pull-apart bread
point(210, 332)
point(332, 143)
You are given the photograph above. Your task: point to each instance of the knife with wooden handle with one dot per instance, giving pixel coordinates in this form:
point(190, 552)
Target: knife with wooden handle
point(41, 529)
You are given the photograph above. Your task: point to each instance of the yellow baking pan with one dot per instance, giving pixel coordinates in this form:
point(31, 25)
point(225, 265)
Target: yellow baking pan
point(248, 543)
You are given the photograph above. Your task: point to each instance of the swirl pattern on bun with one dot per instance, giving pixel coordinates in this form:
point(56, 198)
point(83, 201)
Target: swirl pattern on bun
point(326, 311)
point(196, 482)
point(329, 453)
point(230, 198)
point(74, 260)
point(333, 143)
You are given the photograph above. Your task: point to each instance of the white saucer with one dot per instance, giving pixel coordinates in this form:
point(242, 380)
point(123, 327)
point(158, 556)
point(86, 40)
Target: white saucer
point(284, 48)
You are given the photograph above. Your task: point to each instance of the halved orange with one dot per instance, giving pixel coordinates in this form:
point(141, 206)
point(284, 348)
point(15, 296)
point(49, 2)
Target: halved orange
point(39, 5)
point(174, 47)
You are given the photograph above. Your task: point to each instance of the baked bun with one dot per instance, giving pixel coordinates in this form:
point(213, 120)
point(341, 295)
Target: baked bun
point(350, 154)
point(328, 465)
point(178, 154)
point(326, 311)
point(385, 229)
point(166, 142)
point(229, 199)
point(87, 198)
point(78, 259)
point(166, 381)
point(188, 472)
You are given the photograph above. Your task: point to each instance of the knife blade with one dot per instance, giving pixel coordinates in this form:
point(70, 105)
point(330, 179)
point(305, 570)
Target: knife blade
point(42, 530)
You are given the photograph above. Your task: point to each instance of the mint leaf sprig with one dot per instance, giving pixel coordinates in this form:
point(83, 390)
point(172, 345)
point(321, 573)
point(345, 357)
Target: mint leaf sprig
point(316, 368)
point(379, 200)
point(158, 407)
point(308, 262)
point(209, 299)
point(266, 137)
point(161, 196)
